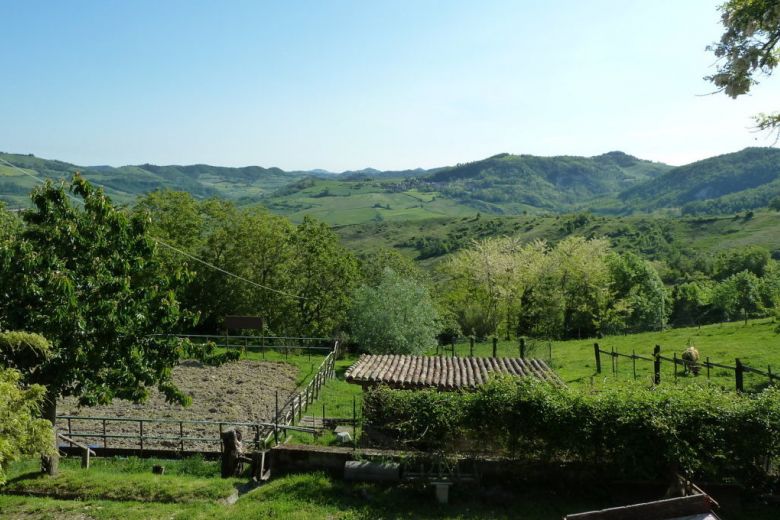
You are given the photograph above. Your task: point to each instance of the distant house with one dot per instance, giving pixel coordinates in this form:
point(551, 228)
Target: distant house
point(442, 373)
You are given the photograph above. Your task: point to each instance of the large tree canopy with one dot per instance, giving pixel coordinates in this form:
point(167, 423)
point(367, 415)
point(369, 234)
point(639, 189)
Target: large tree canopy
point(305, 275)
point(748, 48)
point(90, 280)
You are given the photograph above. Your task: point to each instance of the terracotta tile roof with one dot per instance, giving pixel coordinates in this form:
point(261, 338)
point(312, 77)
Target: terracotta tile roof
point(444, 373)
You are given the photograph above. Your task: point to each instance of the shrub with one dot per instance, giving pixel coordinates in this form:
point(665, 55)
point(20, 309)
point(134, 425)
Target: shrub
point(21, 432)
point(395, 317)
point(634, 431)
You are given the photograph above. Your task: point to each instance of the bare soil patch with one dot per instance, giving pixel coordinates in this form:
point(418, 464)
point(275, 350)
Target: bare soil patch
point(242, 391)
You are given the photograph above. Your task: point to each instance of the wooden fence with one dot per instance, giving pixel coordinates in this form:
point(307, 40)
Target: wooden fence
point(262, 344)
point(175, 439)
point(296, 405)
point(522, 347)
point(186, 435)
point(739, 368)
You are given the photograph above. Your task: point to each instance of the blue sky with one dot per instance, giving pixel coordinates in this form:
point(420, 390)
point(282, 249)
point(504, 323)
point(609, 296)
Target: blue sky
point(351, 84)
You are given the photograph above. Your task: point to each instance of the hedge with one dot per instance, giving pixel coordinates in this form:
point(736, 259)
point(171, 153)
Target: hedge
point(637, 432)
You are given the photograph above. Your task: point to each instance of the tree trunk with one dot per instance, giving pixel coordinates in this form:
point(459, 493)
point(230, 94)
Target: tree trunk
point(50, 463)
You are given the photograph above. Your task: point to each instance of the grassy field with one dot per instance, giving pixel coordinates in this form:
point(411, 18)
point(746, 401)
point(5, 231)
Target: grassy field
point(191, 489)
point(342, 203)
point(755, 344)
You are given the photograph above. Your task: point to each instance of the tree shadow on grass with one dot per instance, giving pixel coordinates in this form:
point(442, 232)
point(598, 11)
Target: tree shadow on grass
point(30, 475)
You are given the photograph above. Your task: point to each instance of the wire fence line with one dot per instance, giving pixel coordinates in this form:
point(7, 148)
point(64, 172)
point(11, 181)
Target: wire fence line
point(739, 368)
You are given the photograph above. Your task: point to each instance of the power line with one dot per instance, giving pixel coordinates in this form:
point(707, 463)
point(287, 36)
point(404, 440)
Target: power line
point(164, 244)
point(238, 277)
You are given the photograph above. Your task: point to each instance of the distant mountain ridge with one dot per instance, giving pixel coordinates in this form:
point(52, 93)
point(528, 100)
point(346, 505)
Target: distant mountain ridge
point(613, 182)
point(731, 182)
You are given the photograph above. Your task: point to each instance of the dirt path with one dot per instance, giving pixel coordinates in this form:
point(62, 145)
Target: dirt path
point(242, 391)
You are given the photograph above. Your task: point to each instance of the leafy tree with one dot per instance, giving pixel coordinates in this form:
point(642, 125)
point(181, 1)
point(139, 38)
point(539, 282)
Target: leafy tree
point(754, 259)
point(740, 293)
point(175, 216)
point(775, 204)
point(90, 280)
point(257, 246)
point(323, 274)
point(636, 282)
point(532, 289)
point(374, 263)
point(22, 432)
point(692, 302)
point(395, 317)
point(748, 48)
point(9, 223)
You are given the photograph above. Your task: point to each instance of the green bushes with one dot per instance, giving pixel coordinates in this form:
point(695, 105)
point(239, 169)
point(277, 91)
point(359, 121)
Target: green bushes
point(635, 431)
point(21, 432)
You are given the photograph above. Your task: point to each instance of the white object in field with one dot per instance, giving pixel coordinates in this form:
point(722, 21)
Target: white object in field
point(344, 437)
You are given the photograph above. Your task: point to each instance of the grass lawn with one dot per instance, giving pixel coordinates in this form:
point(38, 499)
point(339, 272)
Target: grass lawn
point(306, 496)
point(756, 344)
point(188, 481)
point(336, 400)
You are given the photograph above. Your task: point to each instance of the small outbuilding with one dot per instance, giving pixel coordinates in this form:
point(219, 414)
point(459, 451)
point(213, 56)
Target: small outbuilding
point(440, 372)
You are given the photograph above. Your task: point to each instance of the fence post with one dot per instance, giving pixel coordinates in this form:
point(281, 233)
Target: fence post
point(633, 361)
point(471, 346)
point(85, 458)
point(739, 371)
point(70, 432)
point(354, 422)
point(674, 366)
point(495, 345)
point(522, 348)
point(141, 424)
point(105, 441)
point(276, 420)
point(657, 365)
point(181, 436)
point(616, 354)
point(708, 368)
point(612, 359)
point(597, 352)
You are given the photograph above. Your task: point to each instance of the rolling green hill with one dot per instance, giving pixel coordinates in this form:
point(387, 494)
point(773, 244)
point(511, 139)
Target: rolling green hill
point(124, 184)
point(614, 183)
point(727, 183)
point(502, 184)
point(513, 183)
